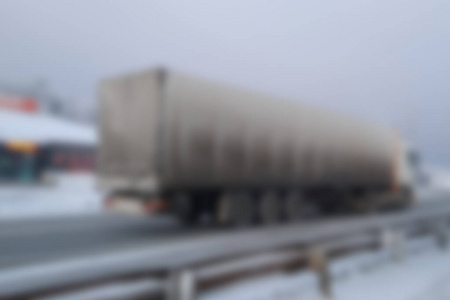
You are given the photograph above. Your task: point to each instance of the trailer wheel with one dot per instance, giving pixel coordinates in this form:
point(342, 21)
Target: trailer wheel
point(183, 208)
point(269, 208)
point(235, 209)
point(293, 206)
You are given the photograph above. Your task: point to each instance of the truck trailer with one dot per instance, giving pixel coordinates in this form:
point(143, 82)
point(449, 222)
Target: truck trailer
point(181, 144)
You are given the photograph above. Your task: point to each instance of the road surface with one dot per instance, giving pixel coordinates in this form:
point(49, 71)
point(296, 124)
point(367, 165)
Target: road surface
point(36, 241)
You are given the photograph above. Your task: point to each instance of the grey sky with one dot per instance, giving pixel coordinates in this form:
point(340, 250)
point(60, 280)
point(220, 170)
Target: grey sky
point(383, 60)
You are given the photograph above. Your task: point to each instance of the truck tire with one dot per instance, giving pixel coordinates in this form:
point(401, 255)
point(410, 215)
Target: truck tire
point(184, 209)
point(293, 207)
point(269, 208)
point(235, 209)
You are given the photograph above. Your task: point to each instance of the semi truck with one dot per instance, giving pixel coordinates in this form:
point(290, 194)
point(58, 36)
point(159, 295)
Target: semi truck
point(175, 143)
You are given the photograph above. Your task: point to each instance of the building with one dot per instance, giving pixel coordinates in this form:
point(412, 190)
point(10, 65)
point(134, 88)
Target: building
point(32, 145)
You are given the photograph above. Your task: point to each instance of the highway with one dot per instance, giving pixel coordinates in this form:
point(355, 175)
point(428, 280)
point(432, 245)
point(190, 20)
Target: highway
point(37, 241)
point(47, 257)
point(41, 240)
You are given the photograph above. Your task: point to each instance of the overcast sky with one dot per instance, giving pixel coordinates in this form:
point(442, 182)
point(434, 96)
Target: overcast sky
point(384, 60)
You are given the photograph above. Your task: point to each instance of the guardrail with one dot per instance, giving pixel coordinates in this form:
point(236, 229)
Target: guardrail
point(178, 270)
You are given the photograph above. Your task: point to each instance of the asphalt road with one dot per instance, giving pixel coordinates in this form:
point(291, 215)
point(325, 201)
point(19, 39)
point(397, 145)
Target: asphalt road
point(28, 242)
point(36, 241)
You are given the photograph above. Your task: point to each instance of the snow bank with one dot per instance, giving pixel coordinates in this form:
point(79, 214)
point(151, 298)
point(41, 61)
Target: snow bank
point(438, 185)
point(69, 194)
point(422, 275)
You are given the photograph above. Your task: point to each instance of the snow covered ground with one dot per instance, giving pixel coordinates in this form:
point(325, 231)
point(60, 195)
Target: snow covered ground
point(438, 183)
point(424, 274)
point(68, 194)
point(439, 177)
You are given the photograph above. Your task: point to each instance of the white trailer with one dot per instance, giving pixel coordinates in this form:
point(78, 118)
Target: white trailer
point(173, 136)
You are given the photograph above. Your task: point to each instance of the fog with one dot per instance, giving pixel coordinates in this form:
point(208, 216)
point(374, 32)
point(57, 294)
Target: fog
point(382, 60)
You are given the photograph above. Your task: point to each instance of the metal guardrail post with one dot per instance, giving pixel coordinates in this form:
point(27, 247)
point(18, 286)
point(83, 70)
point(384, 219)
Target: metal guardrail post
point(181, 285)
point(318, 261)
point(440, 231)
point(394, 242)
